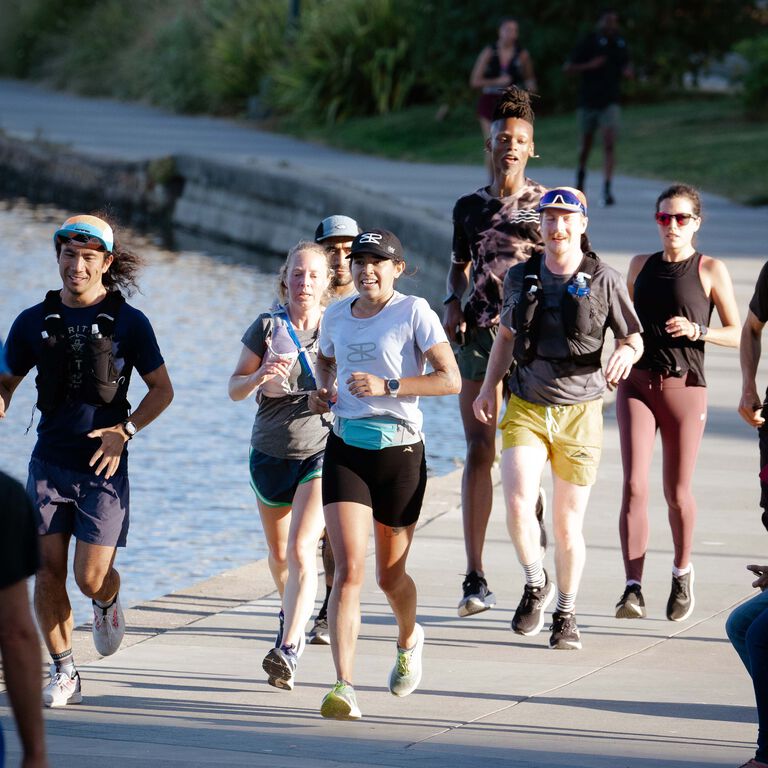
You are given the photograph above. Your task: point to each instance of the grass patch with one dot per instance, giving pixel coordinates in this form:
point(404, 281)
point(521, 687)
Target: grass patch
point(704, 141)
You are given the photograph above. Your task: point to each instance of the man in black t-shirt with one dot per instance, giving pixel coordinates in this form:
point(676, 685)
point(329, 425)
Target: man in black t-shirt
point(19, 643)
point(85, 341)
point(602, 59)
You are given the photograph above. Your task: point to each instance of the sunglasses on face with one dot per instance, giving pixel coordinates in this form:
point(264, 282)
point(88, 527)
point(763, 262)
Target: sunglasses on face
point(83, 241)
point(681, 219)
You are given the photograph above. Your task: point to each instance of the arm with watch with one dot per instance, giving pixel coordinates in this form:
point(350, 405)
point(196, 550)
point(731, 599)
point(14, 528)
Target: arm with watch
point(113, 439)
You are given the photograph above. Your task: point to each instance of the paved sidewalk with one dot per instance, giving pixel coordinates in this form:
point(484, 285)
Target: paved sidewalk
point(187, 688)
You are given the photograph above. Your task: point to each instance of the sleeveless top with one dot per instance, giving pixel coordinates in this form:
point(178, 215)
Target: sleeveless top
point(664, 289)
point(493, 69)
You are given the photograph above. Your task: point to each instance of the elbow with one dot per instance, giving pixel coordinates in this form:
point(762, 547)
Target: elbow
point(454, 382)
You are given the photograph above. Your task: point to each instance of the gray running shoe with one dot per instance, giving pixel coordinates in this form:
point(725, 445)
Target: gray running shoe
point(319, 634)
point(631, 605)
point(406, 674)
point(341, 703)
point(477, 597)
point(108, 626)
point(280, 665)
point(529, 616)
point(681, 600)
point(565, 633)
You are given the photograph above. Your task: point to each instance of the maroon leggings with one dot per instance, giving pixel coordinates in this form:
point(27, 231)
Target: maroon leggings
point(646, 402)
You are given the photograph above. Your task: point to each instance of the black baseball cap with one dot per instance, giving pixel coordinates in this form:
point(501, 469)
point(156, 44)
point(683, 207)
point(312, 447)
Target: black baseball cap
point(378, 242)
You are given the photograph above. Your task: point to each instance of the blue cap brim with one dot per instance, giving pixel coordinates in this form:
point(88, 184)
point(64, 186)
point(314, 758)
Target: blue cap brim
point(83, 228)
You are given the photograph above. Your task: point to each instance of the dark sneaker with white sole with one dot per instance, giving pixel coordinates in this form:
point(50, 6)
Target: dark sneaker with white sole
point(477, 597)
point(529, 616)
point(632, 604)
point(681, 600)
point(565, 633)
point(280, 665)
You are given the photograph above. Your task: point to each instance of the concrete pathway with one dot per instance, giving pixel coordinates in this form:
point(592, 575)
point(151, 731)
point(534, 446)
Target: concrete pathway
point(187, 688)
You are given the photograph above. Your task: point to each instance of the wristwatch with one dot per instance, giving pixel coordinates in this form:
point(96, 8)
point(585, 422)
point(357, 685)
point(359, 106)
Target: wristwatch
point(451, 297)
point(392, 386)
point(129, 428)
point(703, 330)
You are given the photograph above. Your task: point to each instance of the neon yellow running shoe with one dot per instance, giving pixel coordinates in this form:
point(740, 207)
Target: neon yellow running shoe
point(340, 703)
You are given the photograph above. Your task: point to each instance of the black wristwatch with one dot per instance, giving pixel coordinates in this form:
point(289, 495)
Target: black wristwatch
point(129, 428)
point(451, 297)
point(392, 386)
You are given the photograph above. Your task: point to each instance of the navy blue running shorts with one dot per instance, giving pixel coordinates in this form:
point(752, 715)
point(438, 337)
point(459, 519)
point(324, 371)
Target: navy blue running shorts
point(85, 505)
point(274, 481)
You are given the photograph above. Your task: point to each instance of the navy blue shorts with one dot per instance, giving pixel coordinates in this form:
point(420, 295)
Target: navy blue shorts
point(87, 506)
point(274, 481)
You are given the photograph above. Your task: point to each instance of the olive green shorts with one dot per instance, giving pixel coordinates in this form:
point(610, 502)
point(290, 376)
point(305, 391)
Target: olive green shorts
point(472, 356)
point(571, 434)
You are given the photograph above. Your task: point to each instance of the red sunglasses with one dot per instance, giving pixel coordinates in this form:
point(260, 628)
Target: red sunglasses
point(665, 219)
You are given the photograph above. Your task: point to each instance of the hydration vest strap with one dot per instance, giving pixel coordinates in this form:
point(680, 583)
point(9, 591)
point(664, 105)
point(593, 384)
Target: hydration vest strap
point(306, 364)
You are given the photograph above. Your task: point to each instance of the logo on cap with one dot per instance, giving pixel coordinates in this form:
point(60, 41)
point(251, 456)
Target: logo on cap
point(373, 237)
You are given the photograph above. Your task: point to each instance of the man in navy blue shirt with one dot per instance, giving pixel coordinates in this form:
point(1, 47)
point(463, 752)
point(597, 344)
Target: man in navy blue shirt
point(602, 59)
point(84, 340)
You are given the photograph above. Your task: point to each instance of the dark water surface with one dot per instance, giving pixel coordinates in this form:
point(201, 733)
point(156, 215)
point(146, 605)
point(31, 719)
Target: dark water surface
point(193, 513)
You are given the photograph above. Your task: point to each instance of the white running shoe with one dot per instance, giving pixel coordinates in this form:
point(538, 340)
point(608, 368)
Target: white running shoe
point(62, 689)
point(108, 627)
point(406, 674)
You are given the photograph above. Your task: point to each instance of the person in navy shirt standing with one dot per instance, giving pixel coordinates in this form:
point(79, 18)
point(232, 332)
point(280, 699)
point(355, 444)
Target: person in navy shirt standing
point(85, 341)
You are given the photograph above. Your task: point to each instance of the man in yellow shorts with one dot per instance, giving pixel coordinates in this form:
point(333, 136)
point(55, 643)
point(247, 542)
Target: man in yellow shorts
point(557, 307)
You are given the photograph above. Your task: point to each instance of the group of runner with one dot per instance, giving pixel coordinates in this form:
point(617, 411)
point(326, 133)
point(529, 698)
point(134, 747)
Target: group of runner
point(337, 367)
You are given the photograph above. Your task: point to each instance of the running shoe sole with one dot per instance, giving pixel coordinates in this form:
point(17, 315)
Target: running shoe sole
point(473, 605)
point(566, 645)
point(630, 611)
point(75, 698)
point(280, 675)
point(336, 708)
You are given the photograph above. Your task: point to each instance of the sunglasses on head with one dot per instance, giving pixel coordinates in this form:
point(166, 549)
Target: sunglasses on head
point(681, 219)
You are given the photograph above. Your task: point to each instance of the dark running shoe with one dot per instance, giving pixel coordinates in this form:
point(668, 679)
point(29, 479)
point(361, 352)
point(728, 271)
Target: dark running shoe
point(565, 633)
point(280, 665)
point(541, 513)
point(319, 634)
point(477, 597)
point(529, 616)
point(681, 600)
point(631, 605)
point(607, 200)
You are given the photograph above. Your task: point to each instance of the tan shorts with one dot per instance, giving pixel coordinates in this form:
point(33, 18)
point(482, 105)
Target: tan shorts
point(607, 118)
point(571, 434)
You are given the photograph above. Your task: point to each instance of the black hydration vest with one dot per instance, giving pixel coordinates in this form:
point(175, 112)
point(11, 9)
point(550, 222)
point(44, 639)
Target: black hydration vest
point(102, 382)
point(583, 316)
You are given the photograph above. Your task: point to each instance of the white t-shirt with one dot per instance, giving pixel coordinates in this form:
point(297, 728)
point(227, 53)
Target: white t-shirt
point(390, 344)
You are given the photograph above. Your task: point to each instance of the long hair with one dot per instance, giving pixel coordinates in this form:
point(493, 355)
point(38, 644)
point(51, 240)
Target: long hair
point(300, 247)
point(681, 190)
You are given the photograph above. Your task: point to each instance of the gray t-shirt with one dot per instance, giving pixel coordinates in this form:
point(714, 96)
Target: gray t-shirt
point(284, 427)
point(541, 381)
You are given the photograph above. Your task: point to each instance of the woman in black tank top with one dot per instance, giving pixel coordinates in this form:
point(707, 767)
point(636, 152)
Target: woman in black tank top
point(675, 291)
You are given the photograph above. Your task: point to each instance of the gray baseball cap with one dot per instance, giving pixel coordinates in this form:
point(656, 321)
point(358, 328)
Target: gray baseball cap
point(336, 226)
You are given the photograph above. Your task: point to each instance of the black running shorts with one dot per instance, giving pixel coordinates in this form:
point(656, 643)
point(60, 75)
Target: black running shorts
point(390, 481)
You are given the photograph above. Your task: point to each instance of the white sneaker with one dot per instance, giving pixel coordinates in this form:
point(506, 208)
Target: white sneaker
point(108, 627)
point(62, 689)
point(406, 674)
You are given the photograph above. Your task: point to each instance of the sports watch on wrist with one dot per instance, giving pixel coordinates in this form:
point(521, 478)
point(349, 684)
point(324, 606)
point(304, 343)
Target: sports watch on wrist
point(392, 386)
point(129, 428)
point(703, 330)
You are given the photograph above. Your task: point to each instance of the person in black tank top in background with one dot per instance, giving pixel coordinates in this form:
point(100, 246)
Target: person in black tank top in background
point(674, 291)
point(498, 66)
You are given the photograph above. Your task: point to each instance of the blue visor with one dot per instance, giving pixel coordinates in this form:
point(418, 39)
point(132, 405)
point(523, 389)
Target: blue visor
point(564, 198)
point(85, 228)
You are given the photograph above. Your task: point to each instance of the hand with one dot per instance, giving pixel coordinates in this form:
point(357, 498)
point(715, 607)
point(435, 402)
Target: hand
point(619, 364)
point(485, 407)
point(681, 326)
point(321, 400)
point(750, 409)
point(107, 457)
point(453, 320)
point(762, 572)
point(502, 81)
point(274, 367)
point(366, 385)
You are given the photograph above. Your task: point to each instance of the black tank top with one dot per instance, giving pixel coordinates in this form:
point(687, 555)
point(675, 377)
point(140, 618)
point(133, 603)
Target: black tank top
point(493, 68)
point(664, 289)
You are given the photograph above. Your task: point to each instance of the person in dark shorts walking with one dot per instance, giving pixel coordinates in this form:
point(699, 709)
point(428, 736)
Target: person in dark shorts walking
point(557, 309)
point(674, 292)
point(494, 228)
point(753, 408)
point(602, 60)
point(373, 353)
point(287, 442)
point(85, 341)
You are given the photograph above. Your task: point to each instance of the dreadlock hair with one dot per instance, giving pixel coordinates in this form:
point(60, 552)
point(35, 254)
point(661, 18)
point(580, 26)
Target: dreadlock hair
point(514, 102)
point(124, 270)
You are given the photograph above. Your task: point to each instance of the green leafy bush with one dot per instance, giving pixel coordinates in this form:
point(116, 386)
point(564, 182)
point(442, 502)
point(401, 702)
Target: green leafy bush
point(755, 78)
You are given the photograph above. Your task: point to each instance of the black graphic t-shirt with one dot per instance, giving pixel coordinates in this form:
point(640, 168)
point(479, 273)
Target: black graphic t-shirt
point(494, 233)
point(62, 434)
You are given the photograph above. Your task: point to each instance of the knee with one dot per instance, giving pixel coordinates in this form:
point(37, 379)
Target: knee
point(348, 576)
point(279, 556)
point(568, 536)
point(481, 450)
point(735, 627)
point(90, 580)
point(301, 554)
point(389, 580)
point(756, 639)
point(635, 492)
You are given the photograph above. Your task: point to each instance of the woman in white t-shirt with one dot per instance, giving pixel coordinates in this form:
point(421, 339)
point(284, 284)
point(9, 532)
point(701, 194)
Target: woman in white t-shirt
point(287, 443)
point(371, 369)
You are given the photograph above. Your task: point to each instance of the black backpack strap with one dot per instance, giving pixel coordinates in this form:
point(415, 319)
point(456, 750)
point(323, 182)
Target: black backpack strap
point(110, 310)
point(53, 324)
